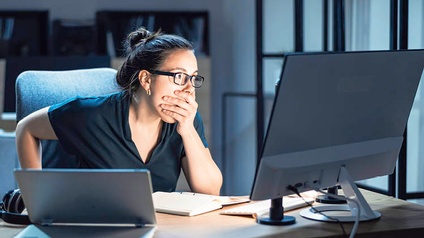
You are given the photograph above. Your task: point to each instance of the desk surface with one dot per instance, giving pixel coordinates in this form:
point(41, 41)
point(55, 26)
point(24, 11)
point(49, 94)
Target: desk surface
point(399, 219)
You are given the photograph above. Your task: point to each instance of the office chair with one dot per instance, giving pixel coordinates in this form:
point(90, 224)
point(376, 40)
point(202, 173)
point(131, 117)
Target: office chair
point(38, 89)
point(8, 161)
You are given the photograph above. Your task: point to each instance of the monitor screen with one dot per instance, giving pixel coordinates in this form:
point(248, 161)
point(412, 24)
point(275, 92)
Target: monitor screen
point(335, 111)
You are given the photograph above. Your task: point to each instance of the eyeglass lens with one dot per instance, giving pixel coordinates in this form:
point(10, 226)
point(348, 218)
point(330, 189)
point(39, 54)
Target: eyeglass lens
point(182, 79)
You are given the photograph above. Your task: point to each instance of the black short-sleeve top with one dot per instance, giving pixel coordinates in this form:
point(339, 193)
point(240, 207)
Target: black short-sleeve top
point(96, 131)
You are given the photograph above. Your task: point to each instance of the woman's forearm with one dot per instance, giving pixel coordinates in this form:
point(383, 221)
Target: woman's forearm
point(29, 131)
point(202, 173)
point(28, 148)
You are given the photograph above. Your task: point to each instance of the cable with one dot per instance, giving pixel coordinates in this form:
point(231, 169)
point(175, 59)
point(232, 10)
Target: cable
point(294, 189)
point(358, 213)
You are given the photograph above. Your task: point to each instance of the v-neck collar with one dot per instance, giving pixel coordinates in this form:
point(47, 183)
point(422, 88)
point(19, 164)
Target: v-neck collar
point(128, 134)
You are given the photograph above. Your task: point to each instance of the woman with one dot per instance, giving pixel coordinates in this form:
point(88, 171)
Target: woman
point(152, 123)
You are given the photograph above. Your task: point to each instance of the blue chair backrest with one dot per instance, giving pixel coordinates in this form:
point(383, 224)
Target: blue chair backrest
point(38, 89)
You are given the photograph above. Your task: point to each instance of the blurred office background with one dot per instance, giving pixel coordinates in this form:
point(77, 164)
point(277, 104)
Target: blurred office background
point(240, 45)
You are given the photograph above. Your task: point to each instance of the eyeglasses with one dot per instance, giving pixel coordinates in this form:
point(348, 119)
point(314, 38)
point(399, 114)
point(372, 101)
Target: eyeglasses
point(182, 78)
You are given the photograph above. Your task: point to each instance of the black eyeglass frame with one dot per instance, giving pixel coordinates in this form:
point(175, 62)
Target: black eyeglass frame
point(191, 78)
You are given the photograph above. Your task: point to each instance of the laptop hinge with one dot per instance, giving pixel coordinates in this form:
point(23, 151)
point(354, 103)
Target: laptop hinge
point(46, 222)
point(139, 223)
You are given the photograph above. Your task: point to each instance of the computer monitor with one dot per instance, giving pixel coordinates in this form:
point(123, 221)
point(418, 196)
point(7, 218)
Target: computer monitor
point(336, 118)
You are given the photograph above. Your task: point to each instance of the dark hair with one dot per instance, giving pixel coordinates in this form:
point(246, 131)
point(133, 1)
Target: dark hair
point(146, 50)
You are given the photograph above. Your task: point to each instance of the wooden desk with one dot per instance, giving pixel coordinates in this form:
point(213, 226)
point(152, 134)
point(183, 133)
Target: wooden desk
point(399, 219)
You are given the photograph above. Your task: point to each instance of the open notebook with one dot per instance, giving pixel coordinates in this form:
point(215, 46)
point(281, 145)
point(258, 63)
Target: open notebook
point(192, 204)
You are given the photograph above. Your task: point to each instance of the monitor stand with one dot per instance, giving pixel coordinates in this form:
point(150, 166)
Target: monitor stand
point(276, 215)
point(328, 199)
point(344, 213)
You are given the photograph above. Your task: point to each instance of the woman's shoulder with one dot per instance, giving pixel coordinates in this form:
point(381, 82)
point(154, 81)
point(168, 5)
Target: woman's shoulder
point(108, 99)
point(198, 120)
point(91, 104)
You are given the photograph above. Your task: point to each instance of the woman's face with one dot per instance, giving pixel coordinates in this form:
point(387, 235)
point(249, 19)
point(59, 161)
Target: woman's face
point(181, 61)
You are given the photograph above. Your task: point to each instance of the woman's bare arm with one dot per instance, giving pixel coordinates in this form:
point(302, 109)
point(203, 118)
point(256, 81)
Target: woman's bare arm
point(200, 170)
point(29, 131)
point(202, 174)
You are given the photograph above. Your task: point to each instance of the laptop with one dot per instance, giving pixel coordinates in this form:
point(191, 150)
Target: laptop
point(88, 202)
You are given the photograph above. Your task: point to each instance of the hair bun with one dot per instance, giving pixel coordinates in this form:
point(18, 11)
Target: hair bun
point(138, 37)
